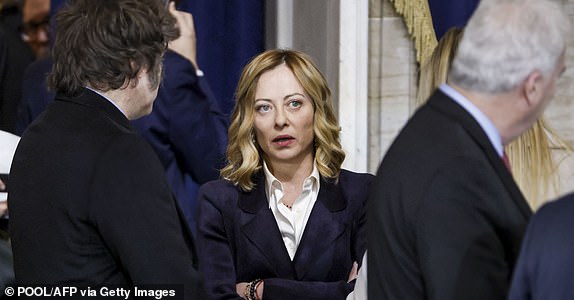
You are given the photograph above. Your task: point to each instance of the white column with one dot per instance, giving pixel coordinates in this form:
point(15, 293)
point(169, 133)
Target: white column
point(353, 82)
point(284, 15)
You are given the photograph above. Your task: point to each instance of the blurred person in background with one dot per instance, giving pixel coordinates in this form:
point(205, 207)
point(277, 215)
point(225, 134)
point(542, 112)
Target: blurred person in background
point(24, 37)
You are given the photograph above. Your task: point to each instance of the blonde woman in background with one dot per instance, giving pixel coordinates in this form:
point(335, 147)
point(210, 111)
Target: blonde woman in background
point(530, 155)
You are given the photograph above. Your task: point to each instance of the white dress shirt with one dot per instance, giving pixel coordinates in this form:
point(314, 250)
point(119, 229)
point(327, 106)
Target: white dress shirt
point(484, 122)
point(110, 100)
point(292, 221)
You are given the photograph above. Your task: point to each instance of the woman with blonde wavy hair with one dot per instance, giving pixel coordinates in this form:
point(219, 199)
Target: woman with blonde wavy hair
point(285, 222)
point(530, 155)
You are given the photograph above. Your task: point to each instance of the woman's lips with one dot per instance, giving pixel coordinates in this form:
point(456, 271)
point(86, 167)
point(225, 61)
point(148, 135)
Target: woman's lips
point(283, 140)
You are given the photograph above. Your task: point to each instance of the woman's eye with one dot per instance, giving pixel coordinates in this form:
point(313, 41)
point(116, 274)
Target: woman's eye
point(263, 108)
point(295, 103)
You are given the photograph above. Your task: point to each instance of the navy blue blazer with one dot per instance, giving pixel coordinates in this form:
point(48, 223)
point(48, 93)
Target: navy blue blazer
point(187, 131)
point(239, 240)
point(545, 267)
point(35, 93)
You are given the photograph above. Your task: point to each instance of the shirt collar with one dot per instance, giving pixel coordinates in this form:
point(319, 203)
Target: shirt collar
point(99, 93)
point(271, 182)
point(484, 122)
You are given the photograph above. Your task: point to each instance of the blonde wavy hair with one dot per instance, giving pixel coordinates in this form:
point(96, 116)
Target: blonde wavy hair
point(244, 157)
point(530, 155)
point(434, 70)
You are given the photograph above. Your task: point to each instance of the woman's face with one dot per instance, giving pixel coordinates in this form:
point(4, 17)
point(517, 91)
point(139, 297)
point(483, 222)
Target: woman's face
point(283, 117)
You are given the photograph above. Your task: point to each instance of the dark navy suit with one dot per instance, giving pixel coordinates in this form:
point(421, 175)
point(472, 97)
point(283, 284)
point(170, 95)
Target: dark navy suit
point(187, 130)
point(239, 240)
point(35, 93)
point(545, 268)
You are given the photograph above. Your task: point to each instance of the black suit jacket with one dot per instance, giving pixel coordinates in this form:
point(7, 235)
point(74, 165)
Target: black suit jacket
point(446, 218)
point(239, 240)
point(89, 203)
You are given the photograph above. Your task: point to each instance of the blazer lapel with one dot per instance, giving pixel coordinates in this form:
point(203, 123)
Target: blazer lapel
point(260, 228)
point(322, 229)
point(443, 103)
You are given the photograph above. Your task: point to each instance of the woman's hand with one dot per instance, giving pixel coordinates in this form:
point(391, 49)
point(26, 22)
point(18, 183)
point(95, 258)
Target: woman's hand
point(3, 204)
point(242, 287)
point(354, 272)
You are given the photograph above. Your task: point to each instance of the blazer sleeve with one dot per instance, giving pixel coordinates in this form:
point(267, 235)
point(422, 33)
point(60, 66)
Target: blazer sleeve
point(186, 123)
point(544, 269)
point(464, 254)
point(132, 209)
point(214, 246)
point(35, 94)
point(522, 281)
point(285, 289)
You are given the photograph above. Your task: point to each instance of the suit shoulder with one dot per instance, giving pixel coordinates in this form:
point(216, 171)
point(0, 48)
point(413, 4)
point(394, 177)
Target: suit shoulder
point(123, 143)
point(557, 211)
point(218, 186)
point(355, 185)
point(221, 194)
point(350, 177)
point(129, 152)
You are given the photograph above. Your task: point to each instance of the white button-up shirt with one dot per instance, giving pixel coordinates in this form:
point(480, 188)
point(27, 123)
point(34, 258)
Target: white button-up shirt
point(292, 221)
point(484, 122)
point(110, 100)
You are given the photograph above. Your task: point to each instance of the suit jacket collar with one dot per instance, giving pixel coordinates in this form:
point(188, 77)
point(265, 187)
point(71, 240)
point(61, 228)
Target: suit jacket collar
point(442, 103)
point(321, 230)
point(98, 103)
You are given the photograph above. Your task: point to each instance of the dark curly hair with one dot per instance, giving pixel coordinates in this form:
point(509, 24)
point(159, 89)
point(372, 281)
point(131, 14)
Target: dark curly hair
point(104, 44)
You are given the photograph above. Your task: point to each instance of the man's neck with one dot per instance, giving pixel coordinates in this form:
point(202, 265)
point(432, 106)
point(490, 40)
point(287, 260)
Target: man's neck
point(117, 98)
point(499, 108)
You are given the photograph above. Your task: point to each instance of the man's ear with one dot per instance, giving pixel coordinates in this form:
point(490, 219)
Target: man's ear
point(532, 88)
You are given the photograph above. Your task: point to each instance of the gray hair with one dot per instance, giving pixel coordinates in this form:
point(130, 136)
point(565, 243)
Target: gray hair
point(506, 40)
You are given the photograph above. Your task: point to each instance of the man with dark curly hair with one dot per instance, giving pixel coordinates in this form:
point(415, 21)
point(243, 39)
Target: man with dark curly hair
point(93, 207)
